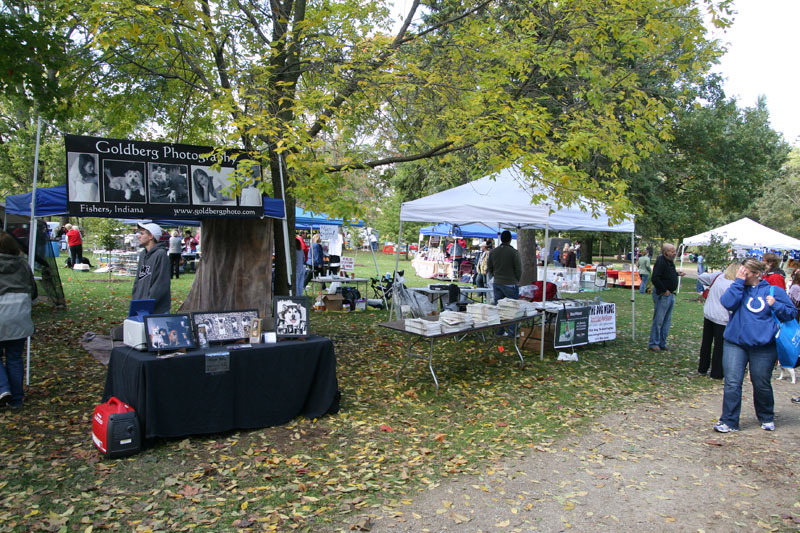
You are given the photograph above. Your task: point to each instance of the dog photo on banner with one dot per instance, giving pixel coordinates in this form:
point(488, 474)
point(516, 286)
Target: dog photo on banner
point(123, 181)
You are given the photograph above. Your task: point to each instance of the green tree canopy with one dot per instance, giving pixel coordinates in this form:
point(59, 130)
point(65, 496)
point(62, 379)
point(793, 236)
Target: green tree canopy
point(780, 202)
point(576, 92)
point(713, 168)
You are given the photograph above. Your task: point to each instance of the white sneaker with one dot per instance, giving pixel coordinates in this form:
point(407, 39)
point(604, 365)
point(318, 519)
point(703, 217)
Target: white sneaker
point(768, 426)
point(4, 397)
point(723, 428)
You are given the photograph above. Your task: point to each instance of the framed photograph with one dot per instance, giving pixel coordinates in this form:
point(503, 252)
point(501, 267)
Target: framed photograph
point(168, 183)
point(168, 332)
point(209, 187)
point(123, 181)
point(291, 316)
point(83, 182)
point(251, 195)
point(225, 326)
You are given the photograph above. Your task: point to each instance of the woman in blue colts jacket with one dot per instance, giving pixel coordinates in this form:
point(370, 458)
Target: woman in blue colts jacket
point(750, 339)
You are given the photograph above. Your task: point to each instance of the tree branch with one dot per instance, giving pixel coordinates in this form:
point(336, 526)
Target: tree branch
point(352, 87)
point(436, 151)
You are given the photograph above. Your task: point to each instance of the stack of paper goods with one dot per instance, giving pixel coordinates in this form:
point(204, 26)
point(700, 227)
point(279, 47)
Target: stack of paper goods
point(453, 321)
point(550, 306)
point(528, 307)
point(423, 327)
point(510, 309)
point(484, 313)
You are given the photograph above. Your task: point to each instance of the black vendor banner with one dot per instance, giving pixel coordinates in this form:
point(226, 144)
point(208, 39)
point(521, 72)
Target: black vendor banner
point(572, 327)
point(138, 179)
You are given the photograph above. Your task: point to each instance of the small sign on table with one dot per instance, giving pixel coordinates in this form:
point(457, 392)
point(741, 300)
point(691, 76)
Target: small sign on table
point(347, 264)
point(218, 362)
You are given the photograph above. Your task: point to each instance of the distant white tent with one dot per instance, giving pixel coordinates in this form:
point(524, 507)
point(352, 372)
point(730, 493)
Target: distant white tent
point(746, 233)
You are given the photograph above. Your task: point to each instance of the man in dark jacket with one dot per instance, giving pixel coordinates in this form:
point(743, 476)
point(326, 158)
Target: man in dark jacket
point(665, 283)
point(505, 266)
point(152, 277)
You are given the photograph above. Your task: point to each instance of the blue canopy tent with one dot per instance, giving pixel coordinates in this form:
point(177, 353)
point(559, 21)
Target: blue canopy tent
point(51, 201)
point(476, 231)
point(307, 220)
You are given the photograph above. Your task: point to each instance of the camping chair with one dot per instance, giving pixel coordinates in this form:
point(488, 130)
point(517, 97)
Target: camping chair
point(466, 268)
point(382, 287)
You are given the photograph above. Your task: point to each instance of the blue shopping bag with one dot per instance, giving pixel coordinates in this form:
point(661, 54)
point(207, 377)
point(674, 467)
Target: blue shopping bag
point(787, 340)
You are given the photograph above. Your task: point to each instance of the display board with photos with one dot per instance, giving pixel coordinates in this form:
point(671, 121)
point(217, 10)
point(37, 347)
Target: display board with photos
point(224, 326)
point(290, 316)
point(139, 179)
point(169, 332)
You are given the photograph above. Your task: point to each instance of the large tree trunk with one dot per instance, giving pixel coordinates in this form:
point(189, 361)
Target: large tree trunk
point(526, 245)
point(586, 249)
point(236, 268)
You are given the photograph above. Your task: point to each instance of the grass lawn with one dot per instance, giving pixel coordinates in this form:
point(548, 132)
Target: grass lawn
point(390, 440)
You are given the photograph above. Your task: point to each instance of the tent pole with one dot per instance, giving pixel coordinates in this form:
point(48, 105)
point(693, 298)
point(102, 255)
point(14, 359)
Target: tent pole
point(32, 235)
point(378, 274)
point(633, 292)
point(681, 249)
point(544, 290)
point(397, 264)
point(286, 245)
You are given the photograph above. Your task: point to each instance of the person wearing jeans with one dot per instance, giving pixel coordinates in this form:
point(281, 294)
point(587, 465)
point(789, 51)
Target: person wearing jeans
point(505, 266)
point(17, 291)
point(750, 341)
point(643, 266)
point(665, 282)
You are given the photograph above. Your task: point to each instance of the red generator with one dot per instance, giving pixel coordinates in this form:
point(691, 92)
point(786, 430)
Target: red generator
point(115, 429)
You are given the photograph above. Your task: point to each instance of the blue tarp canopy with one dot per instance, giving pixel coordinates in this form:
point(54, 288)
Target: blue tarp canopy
point(49, 202)
point(476, 231)
point(305, 220)
point(52, 201)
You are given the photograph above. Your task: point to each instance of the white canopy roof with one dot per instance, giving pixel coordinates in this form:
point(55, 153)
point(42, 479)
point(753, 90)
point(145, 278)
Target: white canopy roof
point(746, 233)
point(505, 199)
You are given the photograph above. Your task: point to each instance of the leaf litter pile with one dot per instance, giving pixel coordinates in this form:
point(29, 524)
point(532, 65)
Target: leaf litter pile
point(390, 440)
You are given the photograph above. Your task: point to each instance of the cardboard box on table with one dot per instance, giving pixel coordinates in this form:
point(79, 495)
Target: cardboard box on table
point(333, 302)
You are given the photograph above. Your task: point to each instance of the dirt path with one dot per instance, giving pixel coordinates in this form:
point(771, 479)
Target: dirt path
point(654, 468)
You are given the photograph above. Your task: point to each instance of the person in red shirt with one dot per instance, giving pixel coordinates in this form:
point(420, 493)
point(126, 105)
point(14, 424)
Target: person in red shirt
point(301, 240)
point(774, 276)
point(75, 244)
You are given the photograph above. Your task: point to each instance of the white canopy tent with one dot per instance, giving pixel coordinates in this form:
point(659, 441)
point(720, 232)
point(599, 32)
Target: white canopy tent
point(744, 233)
point(507, 199)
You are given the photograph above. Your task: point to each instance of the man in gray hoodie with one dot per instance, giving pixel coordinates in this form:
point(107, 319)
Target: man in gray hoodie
point(152, 276)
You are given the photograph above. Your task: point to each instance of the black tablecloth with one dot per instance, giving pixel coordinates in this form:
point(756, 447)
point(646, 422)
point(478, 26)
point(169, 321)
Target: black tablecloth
point(266, 385)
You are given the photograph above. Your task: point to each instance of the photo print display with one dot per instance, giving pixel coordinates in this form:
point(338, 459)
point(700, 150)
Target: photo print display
point(251, 195)
point(132, 179)
point(84, 183)
point(291, 317)
point(168, 183)
point(208, 186)
point(123, 181)
point(225, 326)
point(168, 332)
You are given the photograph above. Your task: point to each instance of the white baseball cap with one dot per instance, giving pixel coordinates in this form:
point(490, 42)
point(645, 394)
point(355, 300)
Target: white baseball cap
point(154, 229)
